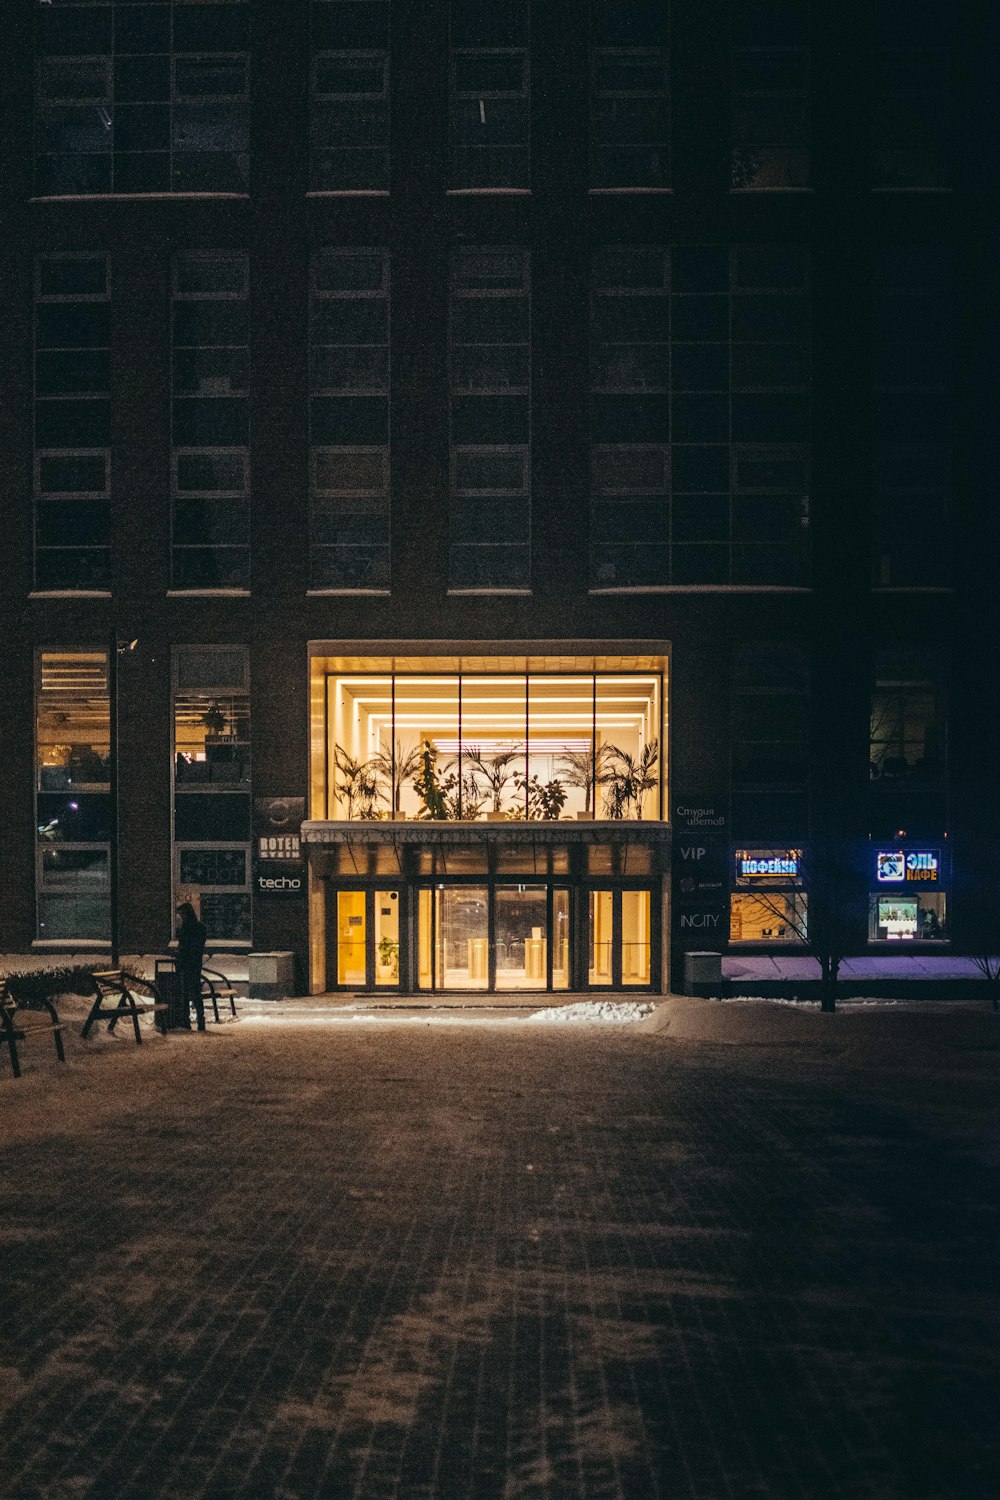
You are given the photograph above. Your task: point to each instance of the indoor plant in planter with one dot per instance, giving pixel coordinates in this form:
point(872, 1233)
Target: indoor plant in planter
point(628, 778)
point(429, 786)
point(388, 959)
point(496, 770)
point(397, 771)
point(586, 772)
point(545, 800)
point(359, 784)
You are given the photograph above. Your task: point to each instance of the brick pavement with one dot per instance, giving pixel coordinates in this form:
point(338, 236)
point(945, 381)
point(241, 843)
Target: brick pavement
point(382, 1260)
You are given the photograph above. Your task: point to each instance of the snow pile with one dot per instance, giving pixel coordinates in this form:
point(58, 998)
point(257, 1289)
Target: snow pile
point(587, 1011)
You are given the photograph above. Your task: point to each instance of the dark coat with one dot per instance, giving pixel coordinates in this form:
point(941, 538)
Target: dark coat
point(190, 944)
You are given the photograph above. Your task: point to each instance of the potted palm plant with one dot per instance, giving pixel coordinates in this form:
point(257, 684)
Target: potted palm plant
point(397, 770)
point(496, 771)
point(586, 771)
point(629, 777)
point(358, 785)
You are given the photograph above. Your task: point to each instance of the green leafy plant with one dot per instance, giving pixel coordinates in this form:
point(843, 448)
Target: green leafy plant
point(433, 788)
point(545, 800)
point(584, 771)
point(396, 770)
point(467, 807)
point(359, 786)
point(496, 770)
point(388, 955)
point(629, 777)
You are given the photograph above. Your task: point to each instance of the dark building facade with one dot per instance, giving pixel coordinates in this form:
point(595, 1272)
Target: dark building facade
point(492, 489)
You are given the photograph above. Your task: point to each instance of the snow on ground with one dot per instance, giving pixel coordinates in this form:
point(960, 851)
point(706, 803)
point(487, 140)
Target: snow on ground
point(586, 1012)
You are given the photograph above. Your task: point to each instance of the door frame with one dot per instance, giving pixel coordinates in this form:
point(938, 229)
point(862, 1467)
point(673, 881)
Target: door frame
point(369, 888)
point(618, 889)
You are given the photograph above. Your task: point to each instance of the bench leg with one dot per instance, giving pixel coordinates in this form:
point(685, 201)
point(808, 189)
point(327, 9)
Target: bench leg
point(93, 1016)
point(7, 1035)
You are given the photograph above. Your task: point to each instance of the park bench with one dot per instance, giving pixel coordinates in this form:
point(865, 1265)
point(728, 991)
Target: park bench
point(18, 1023)
point(215, 987)
point(116, 999)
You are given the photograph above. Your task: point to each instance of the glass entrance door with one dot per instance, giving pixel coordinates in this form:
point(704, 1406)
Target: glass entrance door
point(368, 949)
point(619, 938)
point(504, 937)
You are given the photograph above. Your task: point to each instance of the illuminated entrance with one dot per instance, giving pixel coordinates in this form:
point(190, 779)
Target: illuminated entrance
point(485, 824)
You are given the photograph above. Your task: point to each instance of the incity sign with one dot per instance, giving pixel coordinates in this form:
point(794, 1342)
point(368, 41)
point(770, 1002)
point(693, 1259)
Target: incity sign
point(905, 866)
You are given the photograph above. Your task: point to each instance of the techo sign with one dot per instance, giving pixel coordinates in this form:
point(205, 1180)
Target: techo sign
point(907, 866)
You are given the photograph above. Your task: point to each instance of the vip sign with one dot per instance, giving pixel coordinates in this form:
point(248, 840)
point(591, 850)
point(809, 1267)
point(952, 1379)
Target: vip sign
point(907, 866)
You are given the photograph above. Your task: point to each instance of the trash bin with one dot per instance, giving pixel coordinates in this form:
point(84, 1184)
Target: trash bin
point(702, 974)
point(168, 983)
point(271, 975)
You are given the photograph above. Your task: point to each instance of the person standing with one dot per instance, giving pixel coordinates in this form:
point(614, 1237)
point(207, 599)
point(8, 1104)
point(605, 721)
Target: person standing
point(190, 954)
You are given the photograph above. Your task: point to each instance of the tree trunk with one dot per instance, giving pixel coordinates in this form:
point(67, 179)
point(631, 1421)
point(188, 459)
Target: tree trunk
point(828, 993)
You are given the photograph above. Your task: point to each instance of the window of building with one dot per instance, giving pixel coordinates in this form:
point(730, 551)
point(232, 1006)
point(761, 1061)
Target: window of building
point(490, 420)
point(349, 421)
point(908, 718)
point(210, 460)
point(211, 785)
point(72, 467)
point(349, 141)
point(770, 94)
point(912, 120)
point(768, 904)
point(629, 94)
point(711, 486)
point(494, 746)
point(769, 740)
point(489, 96)
point(908, 901)
point(141, 98)
point(630, 416)
point(72, 796)
point(913, 352)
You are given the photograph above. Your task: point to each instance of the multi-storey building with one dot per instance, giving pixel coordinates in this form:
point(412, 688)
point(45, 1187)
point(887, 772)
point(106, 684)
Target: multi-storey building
point(487, 483)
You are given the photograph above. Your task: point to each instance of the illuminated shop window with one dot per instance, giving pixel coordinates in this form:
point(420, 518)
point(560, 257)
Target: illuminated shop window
point(629, 94)
point(490, 420)
point(72, 468)
point(906, 918)
point(913, 352)
point(493, 746)
point(767, 903)
point(141, 98)
point(210, 414)
point(908, 718)
point(489, 96)
point(770, 100)
point(349, 421)
point(349, 124)
point(912, 122)
point(72, 809)
point(211, 782)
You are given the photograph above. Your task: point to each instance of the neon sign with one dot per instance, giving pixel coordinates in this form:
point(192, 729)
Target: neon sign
point(905, 866)
point(767, 866)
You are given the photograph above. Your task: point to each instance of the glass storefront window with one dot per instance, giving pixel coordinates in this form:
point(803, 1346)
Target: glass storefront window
point(635, 937)
point(462, 937)
point(768, 917)
point(560, 940)
point(73, 806)
point(521, 937)
point(908, 918)
point(211, 765)
point(482, 746)
point(351, 938)
point(600, 929)
point(386, 938)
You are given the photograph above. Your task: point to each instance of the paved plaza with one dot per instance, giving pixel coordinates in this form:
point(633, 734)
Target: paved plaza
point(448, 1255)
